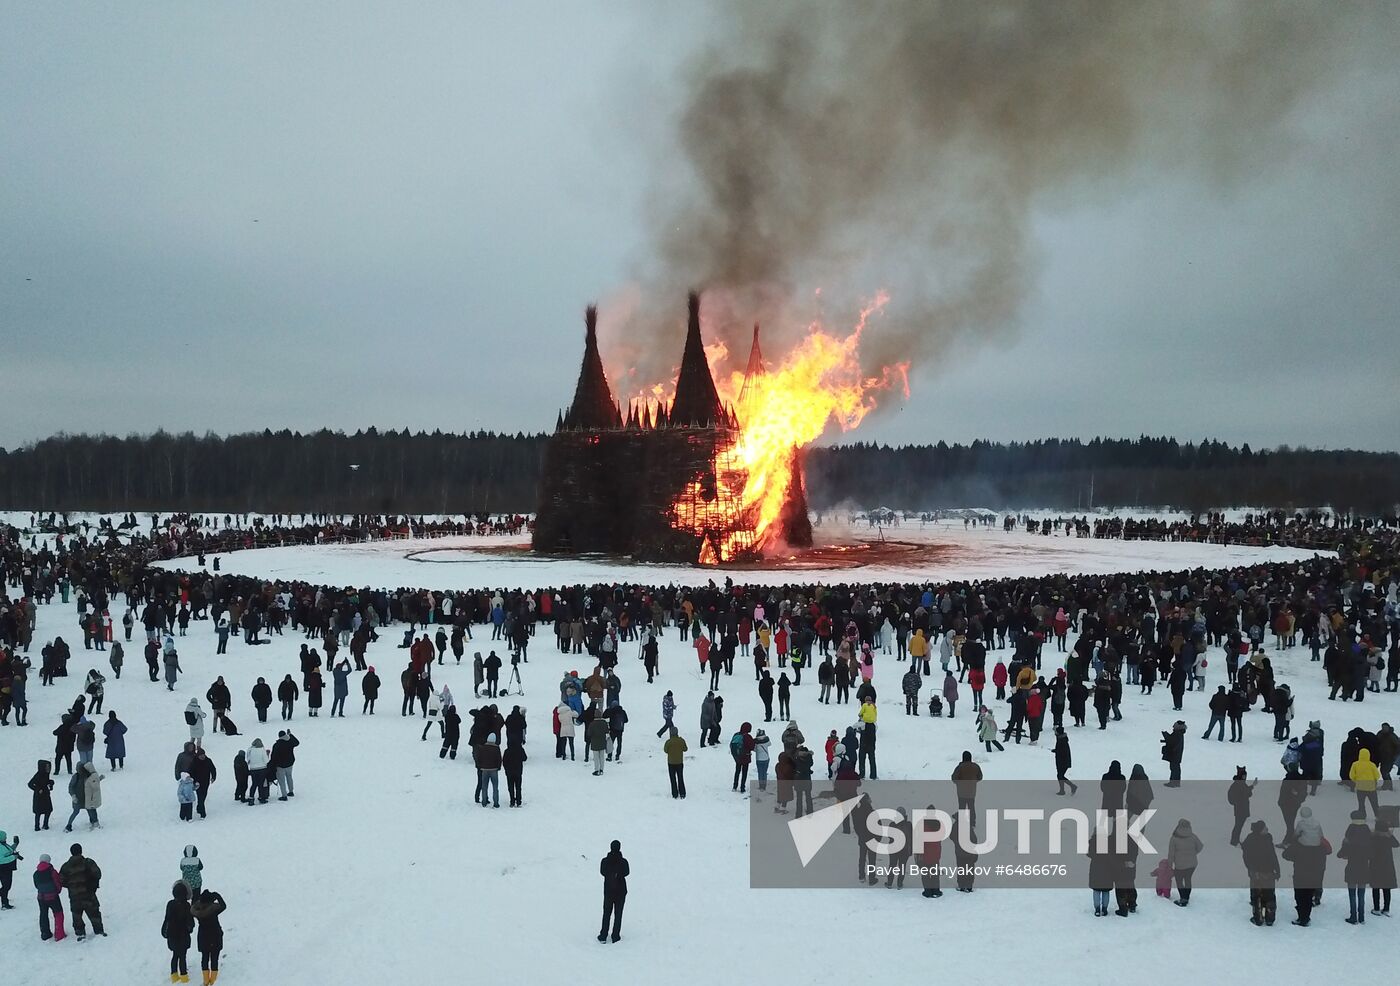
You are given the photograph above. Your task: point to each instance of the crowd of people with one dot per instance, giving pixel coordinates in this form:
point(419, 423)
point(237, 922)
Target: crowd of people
point(1002, 643)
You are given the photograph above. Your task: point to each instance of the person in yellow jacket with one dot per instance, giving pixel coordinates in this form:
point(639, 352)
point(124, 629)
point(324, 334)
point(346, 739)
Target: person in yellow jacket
point(868, 715)
point(918, 651)
point(1364, 776)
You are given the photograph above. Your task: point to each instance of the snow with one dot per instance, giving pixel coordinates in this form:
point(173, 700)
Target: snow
point(382, 867)
point(952, 554)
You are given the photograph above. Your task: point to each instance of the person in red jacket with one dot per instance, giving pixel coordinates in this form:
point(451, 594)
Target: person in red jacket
point(999, 680)
point(929, 857)
point(49, 886)
point(977, 681)
point(1035, 712)
point(823, 628)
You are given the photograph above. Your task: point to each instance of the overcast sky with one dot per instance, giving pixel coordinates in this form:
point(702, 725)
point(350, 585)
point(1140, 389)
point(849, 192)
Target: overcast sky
point(226, 217)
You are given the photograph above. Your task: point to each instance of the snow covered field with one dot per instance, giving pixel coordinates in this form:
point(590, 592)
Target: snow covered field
point(952, 553)
point(382, 867)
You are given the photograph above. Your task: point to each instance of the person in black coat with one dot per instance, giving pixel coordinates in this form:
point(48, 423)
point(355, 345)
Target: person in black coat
point(42, 786)
point(515, 727)
point(1238, 795)
point(262, 698)
point(287, 694)
point(614, 870)
point(1140, 792)
point(210, 940)
point(65, 740)
point(1078, 696)
point(1173, 746)
point(1382, 868)
point(1261, 863)
point(1114, 788)
point(203, 772)
point(451, 732)
point(219, 700)
point(240, 775)
point(765, 695)
point(513, 762)
point(369, 685)
point(177, 928)
point(1063, 762)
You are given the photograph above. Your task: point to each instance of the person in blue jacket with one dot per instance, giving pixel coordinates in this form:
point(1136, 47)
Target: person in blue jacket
point(114, 735)
point(185, 794)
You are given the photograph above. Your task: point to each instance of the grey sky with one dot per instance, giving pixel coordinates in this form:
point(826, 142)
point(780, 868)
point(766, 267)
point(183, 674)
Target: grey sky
point(236, 216)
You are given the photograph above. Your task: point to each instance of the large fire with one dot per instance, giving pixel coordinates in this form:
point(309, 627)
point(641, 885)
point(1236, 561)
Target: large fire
point(785, 408)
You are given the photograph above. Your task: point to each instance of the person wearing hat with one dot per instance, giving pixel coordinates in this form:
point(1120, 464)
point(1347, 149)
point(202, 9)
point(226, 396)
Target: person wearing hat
point(1261, 863)
point(81, 877)
point(206, 908)
point(177, 929)
point(1357, 848)
point(48, 885)
point(1173, 745)
point(369, 687)
point(614, 869)
point(9, 862)
point(488, 766)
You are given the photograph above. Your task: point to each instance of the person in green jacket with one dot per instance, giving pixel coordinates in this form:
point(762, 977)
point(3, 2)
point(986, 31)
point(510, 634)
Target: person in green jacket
point(9, 861)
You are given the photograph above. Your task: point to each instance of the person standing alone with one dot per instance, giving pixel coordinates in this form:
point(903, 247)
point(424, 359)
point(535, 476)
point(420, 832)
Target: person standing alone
point(614, 870)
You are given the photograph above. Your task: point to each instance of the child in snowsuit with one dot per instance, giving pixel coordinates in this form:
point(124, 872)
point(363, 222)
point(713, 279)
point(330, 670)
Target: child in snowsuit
point(1163, 873)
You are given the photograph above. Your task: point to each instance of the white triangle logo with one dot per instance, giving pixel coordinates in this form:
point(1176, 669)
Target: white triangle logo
point(811, 832)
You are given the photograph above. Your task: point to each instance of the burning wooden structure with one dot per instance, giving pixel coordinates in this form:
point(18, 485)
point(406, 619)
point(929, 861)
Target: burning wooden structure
point(666, 485)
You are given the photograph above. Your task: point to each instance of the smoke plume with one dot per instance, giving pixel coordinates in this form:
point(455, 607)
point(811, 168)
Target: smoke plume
point(828, 148)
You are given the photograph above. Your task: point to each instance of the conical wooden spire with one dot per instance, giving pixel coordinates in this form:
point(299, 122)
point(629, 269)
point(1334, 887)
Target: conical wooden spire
point(697, 401)
point(593, 405)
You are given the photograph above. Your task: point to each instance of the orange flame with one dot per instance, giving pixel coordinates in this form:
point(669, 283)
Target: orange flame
point(789, 407)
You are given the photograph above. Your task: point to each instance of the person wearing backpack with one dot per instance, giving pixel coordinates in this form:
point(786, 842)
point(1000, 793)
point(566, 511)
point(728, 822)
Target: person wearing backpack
point(194, 718)
point(741, 749)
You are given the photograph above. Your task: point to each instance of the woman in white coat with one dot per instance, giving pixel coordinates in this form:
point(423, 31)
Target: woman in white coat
point(434, 712)
point(564, 729)
point(258, 760)
point(194, 718)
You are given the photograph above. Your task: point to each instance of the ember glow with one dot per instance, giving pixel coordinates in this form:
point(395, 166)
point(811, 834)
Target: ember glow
point(780, 410)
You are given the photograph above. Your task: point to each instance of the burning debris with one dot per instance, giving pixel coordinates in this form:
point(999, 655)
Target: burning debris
point(698, 477)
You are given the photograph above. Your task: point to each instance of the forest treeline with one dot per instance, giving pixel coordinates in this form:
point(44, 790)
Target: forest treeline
point(403, 472)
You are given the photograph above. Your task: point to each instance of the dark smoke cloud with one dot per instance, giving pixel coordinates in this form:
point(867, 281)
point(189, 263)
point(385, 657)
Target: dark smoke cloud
point(825, 149)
